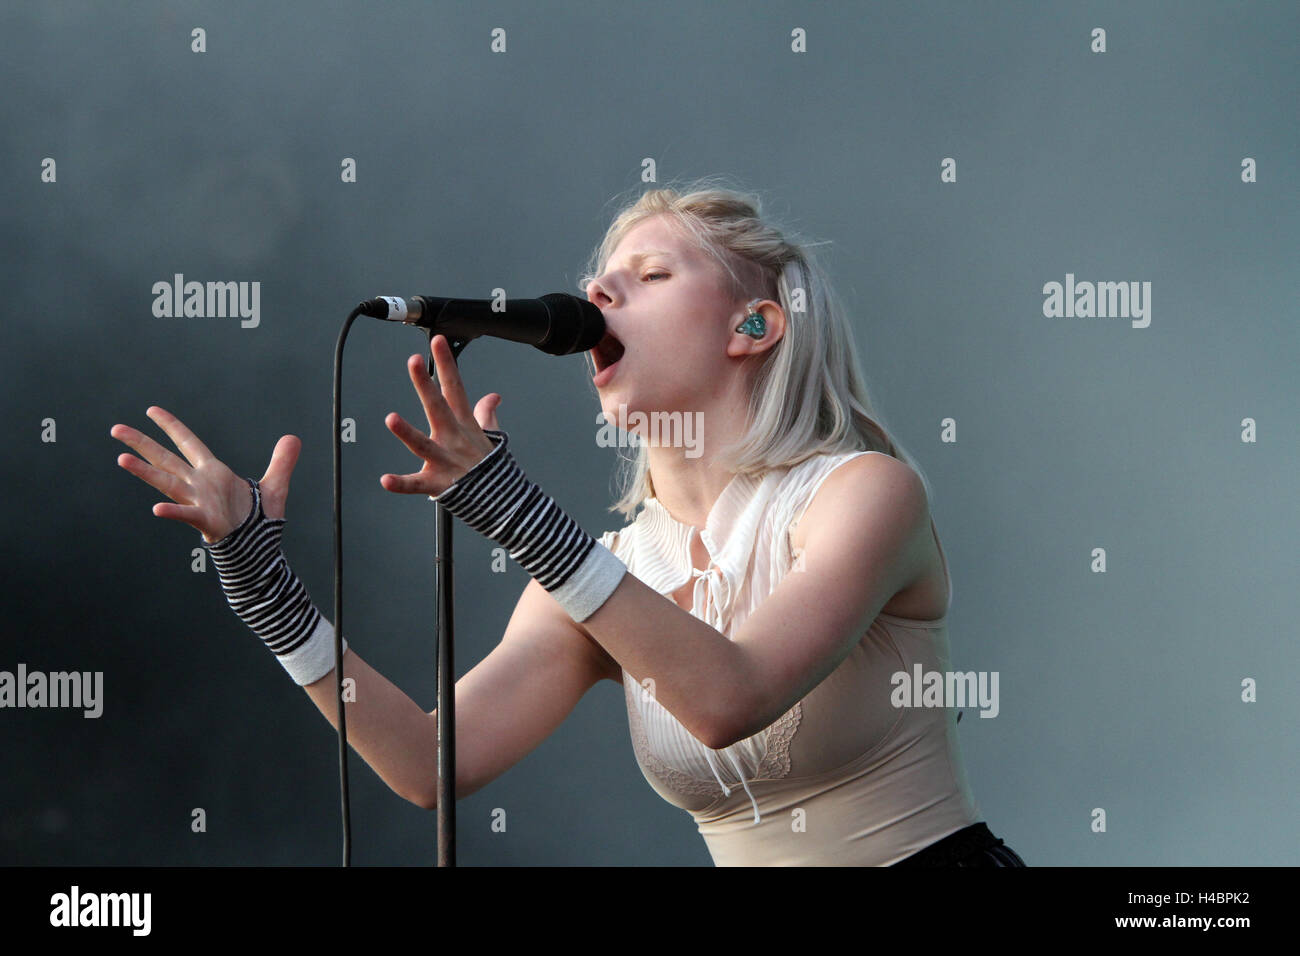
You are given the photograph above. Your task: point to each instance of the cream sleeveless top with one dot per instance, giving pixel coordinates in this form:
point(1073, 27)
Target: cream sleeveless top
point(843, 777)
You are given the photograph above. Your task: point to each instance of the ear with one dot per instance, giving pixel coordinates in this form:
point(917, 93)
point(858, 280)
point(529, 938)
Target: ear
point(741, 344)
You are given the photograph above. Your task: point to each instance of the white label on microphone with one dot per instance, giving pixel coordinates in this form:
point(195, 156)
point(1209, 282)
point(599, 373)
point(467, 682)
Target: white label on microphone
point(396, 308)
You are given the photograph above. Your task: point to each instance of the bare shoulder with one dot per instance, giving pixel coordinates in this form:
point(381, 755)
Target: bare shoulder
point(874, 509)
point(875, 488)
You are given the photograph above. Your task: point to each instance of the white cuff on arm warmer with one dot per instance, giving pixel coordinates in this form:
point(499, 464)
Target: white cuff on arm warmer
point(496, 500)
point(268, 597)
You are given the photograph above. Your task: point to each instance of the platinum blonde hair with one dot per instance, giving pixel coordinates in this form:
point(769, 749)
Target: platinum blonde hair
point(809, 395)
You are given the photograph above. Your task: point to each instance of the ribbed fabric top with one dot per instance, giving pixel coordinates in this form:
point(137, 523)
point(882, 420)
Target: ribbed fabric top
point(843, 777)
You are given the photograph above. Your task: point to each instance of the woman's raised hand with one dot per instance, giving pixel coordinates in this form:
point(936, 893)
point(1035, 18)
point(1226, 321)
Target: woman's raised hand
point(204, 493)
point(456, 442)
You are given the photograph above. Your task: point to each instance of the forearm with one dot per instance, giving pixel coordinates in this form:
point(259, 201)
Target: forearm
point(385, 727)
point(697, 672)
point(390, 732)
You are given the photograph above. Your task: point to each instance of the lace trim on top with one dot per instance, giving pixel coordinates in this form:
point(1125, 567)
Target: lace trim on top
point(660, 555)
point(774, 766)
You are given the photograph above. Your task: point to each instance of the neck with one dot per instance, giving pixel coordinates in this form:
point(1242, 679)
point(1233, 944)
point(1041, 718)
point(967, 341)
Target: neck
point(689, 480)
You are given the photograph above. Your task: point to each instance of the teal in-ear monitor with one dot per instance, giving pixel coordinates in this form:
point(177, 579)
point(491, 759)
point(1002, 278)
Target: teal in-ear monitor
point(754, 323)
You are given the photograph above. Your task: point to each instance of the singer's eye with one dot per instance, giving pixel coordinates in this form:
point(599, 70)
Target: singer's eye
point(653, 274)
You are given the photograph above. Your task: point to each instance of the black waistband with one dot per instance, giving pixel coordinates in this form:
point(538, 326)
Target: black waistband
point(953, 847)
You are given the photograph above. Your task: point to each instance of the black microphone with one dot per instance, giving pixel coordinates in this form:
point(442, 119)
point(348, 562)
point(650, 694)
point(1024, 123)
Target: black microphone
point(558, 323)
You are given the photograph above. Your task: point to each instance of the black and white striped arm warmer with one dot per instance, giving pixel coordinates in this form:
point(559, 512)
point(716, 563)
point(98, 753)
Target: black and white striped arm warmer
point(498, 501)
point(267, 596)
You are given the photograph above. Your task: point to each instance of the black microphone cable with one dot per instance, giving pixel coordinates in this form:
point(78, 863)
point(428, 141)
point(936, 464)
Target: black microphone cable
point(338, 583)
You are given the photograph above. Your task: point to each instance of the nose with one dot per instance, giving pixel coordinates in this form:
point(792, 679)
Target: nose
point(598, 295)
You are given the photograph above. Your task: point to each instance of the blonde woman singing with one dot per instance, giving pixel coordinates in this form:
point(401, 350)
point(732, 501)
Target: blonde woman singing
point(773, 577)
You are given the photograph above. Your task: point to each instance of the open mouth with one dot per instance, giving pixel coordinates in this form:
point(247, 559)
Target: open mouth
point(607, 352)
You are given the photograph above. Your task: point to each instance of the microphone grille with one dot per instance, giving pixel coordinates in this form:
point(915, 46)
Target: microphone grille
point(576, 324)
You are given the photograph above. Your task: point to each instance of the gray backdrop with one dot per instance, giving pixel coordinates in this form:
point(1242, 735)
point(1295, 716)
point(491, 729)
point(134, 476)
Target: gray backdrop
point(1119, 690)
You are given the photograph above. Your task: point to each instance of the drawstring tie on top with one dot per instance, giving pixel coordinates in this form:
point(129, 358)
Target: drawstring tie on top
point(713, 591)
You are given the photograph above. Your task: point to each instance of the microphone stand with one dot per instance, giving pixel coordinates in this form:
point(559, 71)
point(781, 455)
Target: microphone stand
point(385, 307)
point(446, 674)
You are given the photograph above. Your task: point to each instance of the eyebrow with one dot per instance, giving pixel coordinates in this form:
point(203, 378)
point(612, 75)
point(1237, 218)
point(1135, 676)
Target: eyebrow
point(638, 257)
